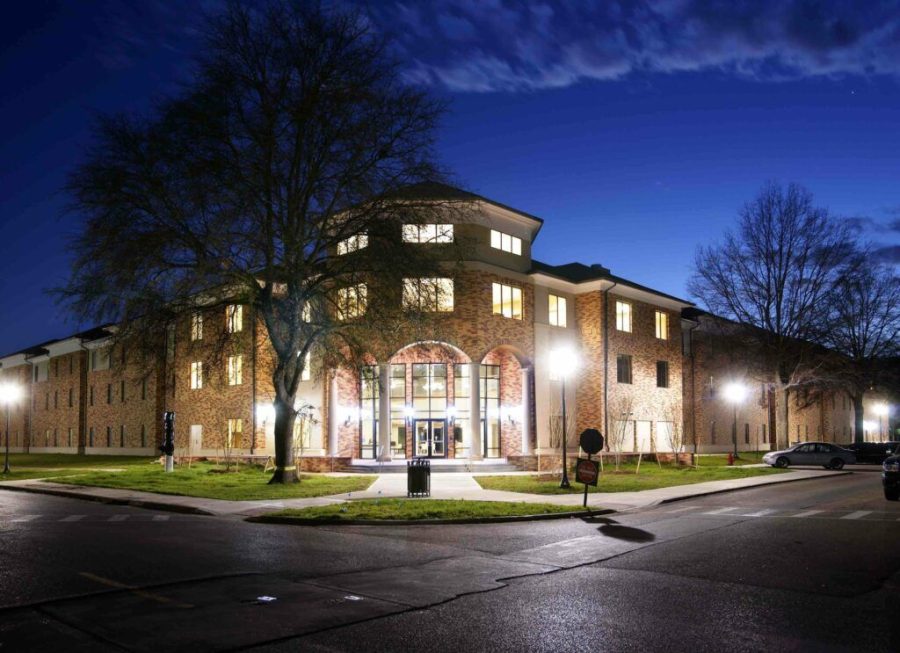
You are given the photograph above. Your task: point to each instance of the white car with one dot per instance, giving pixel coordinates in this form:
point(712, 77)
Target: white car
point(829, 456)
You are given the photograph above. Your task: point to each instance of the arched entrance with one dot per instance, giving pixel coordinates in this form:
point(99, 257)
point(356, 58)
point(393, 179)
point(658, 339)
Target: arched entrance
point(505, 404)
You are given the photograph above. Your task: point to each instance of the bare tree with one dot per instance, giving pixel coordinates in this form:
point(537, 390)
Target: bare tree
point(864, 326)
point(274, 180)
point(774, 276)
point(621, 410)
point(305, 421)
point(675, 433)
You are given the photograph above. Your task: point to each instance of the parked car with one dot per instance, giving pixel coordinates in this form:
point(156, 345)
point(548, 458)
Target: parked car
point(829, 456)
point(890, 475)
point(872, 452)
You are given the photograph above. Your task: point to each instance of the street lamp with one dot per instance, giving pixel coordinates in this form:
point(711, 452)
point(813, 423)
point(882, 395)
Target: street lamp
point(881, 410)
point(9, 394)
point(563, 362)
point(735, 393)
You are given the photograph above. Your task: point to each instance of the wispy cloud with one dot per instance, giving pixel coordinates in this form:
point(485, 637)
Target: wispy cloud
point(495, 45)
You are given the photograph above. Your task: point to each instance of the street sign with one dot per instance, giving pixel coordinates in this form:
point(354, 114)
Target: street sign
point(591, 441)
point(587, 471)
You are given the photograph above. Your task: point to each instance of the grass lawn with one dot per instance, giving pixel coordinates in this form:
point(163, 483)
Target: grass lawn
point(49, 465)
point(203, 480)
point(394, 509)
point(744, 458)
point(625, 480)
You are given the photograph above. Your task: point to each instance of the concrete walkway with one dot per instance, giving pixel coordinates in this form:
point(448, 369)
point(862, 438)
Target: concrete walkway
point(443, 486)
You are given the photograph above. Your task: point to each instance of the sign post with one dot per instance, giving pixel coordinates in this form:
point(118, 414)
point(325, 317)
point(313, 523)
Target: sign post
point(587, 471)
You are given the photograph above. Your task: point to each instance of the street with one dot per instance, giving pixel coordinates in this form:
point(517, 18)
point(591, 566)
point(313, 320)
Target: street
point(804, 566)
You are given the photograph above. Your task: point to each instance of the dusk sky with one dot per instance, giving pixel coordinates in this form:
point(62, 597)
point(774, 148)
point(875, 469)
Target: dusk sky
point(635, 129)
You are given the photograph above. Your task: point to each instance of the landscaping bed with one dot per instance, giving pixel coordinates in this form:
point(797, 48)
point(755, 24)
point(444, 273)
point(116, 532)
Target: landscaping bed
point(650, 477)
point(416, 510)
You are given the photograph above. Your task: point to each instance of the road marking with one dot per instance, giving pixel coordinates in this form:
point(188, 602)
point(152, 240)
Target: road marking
point(134, 590)
point(857, 514)
point(118, 518)
point(759, 513)
point(719, 511)
point(682, 509)
point(808, 513)
point(25, 518)
point(160, 518)
point(73, 518)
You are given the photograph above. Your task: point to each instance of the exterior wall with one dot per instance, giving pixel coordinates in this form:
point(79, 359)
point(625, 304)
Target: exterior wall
point(56, 415)
point(19, 412)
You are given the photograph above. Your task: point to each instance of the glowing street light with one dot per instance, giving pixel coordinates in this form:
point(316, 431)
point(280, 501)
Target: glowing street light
point(882, 410)
point(734, 393)
point(563, 363)
point(9, 394)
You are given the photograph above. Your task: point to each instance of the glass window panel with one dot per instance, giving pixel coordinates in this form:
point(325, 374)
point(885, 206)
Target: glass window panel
point(495, 239)
point(517, 246)
point(497, 298)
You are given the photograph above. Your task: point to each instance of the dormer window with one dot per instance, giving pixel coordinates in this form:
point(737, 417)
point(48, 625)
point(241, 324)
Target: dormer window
point(428, 233)
point(352, 244)
point(506, 243)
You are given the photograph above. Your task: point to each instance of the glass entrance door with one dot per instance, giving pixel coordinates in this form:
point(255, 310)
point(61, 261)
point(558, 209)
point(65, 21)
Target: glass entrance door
point(431, 438)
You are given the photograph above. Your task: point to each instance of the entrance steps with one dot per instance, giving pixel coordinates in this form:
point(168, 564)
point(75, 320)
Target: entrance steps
point(438, 466)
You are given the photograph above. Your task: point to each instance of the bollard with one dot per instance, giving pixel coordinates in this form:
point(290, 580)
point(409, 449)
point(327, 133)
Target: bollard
point(730, 458)
point(168, 446)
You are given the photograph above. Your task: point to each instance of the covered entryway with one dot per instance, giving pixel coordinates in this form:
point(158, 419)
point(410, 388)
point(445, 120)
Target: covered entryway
point(431, 438)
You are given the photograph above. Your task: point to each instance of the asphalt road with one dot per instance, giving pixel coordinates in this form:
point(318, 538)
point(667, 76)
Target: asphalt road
point(806, 566)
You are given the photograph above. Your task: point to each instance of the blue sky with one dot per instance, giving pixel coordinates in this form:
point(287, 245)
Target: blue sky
point(636, 129)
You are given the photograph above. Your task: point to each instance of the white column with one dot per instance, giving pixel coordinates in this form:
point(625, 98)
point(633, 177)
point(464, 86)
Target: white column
point(526, 411)
point(475, 412)
point(384, 412)
point(333, 416)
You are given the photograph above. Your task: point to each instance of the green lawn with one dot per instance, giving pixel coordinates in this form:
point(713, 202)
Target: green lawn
point(402, 509)
point(204, 480)
point(49, 465)
point(625, 480)
point(744, 458)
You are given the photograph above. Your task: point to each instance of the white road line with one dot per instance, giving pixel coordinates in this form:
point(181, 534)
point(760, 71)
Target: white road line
point(25, 518)
point(73, 518)
point(808, 513)
point(681, 509)
point(118, 518)
point(160, 518)
point(857, 514)
point(719, 511)
point(759, 513)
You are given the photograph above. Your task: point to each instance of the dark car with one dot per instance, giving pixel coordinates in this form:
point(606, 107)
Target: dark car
point(890, 475)
point(872, 452)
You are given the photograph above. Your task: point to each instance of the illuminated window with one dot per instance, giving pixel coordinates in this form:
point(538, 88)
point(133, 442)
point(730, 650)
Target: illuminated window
point(99, 359)
point(196, 375)
point(430, 294)
point(234, 318)
point(662, 325)
point(352, 244)
point(557, 311)
point(623, 316)
point(507, 301)
point(235, 370)
point(306, 374)
point(197, 326)
point(351, 301)
point(235, 430)
point(428, 233)
point(306, 314)
point(505, 242)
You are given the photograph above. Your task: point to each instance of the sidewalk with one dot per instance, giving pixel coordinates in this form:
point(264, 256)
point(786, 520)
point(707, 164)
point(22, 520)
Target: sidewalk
point(443, 486)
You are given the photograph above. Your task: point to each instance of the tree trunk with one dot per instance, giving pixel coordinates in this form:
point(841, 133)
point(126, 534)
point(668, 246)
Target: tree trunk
point(859, 434)
point(285, 465)
point(782, 423)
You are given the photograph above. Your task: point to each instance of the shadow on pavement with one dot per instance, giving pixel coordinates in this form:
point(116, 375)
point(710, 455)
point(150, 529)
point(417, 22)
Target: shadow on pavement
point(611, 528)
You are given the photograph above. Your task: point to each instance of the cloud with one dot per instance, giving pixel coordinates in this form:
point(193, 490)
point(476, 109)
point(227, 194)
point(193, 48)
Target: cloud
point(494, 45)
point(889, 254)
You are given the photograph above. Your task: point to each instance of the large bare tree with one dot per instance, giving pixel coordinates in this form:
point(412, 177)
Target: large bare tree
point(274, 179)
point(775, 274)
point(864, 326)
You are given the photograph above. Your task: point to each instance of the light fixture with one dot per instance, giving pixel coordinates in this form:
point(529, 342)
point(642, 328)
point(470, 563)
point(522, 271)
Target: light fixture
point(735, 392)
point(451, 413)
point(352, 415)
point(409, 413)
point(881, 409)
point(9, 393)
point(563, 361)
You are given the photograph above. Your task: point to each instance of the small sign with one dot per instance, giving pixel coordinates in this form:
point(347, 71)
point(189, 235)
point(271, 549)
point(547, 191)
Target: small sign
point(587, 471)
point(590, 441)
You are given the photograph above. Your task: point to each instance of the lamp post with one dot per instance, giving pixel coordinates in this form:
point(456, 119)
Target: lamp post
point(882, 410)
point(735, 393)
point(9, 394)
point(563, 362)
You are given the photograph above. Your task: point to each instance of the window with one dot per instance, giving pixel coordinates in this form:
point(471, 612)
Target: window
point(352, 244)
point(69, 437)
point(122, 435)
point(109, 393)
point(623, 316)
point(234, 318)
point(56, 399)
point(100, 359)
point(108, 436)
point(235, 365)
point(91, 396)
point(235, 430)
point(623, 368)
point(122, 390)
point(507, 301)
point(197, 326)
point(662, 325)
point(41, 372)
point(306, 375)
point(196, 375)
point(429, 294)
point(351, 301)
point(368, 413)
point(306, 313)
point(428, 233)
point(662, 374)
point(505, 242)
point(143, 389)
point(143, 435)
point(557, 310)
point(71, 398)
point(91, 437)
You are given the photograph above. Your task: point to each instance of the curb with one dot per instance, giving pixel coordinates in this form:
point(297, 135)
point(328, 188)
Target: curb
point(748, 487)
point(137, 503)
point(300, 521)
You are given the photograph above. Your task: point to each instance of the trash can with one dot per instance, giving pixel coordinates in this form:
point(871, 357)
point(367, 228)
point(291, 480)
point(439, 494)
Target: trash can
point(418, 477)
